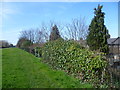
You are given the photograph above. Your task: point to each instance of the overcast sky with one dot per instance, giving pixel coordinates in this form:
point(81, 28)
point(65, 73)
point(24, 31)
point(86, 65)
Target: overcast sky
point(18, 16)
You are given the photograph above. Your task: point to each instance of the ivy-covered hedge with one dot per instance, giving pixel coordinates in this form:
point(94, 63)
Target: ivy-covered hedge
point(75, 60)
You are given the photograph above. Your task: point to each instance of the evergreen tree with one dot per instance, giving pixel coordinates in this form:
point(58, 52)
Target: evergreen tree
point(55, 33)
point(98, 33)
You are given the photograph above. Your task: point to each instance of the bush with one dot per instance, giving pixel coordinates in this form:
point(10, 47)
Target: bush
point(38, 51)
point(74, 59)
point(24, 43)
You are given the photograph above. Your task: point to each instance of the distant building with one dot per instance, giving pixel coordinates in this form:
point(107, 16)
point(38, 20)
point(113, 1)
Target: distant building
point(114, 45)
point(114, 52)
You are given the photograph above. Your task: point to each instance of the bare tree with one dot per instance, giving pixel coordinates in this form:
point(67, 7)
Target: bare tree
point(38, 35)
point(31, 35)
point(28, 34)
point(77, 29)
point(45, 31)
point(41, 34)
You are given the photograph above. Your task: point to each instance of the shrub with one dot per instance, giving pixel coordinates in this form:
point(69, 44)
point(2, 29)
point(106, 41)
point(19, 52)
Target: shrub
point(38, 51)
point(24, 43)
point(74, 59)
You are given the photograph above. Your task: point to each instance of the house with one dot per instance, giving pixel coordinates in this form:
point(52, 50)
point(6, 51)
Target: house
point(114, 45)
point(114, 52)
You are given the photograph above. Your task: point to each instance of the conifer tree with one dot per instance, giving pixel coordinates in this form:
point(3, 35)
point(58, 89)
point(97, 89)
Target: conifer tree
point(54, 33)
point(98, 33)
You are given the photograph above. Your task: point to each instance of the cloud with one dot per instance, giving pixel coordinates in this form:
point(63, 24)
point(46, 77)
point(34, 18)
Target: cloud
point(11, 35)
point(7, 10)
point(63, 7)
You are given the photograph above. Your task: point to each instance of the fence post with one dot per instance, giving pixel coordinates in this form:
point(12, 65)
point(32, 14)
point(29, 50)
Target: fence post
point(110, 71)
point(103, 73)
point(35, 52)
point(38, 54)
point(111, 81)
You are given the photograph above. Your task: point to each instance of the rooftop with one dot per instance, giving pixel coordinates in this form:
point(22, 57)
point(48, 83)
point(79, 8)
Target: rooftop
point(114, 40)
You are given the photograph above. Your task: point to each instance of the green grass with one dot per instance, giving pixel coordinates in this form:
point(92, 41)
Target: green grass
point(23, 70)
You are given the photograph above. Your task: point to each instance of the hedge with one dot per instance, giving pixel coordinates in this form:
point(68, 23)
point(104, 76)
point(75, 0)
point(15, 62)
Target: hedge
point(75, 60)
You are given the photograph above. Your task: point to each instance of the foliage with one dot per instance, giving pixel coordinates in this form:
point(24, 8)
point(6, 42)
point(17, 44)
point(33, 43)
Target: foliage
point(98, 33)
point(55, 33)
point(21, 69)
point(38, 51)
point(24, 43)
point(75, 60)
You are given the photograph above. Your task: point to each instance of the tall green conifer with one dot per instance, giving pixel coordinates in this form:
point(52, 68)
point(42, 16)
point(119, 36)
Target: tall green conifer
point(98, 33)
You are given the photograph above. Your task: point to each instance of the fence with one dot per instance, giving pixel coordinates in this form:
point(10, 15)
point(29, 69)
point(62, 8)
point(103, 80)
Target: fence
point(114, 70)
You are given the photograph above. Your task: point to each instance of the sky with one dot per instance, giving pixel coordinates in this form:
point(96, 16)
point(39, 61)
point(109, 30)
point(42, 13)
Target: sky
point(18, 16)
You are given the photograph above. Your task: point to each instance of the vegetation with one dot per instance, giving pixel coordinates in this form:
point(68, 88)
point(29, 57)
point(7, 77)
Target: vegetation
point(98, 33)
point(23, 70)
point(5, 44)
point(24, 43)
point(54, 33)
point(38, 35)
point(77, 29)
point(75, 60)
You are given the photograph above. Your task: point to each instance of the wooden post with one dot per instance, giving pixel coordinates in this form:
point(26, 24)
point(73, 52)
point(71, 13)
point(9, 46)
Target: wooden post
point(111, 79)
point(38, 54)
point(103, 73)
point(35, 52)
